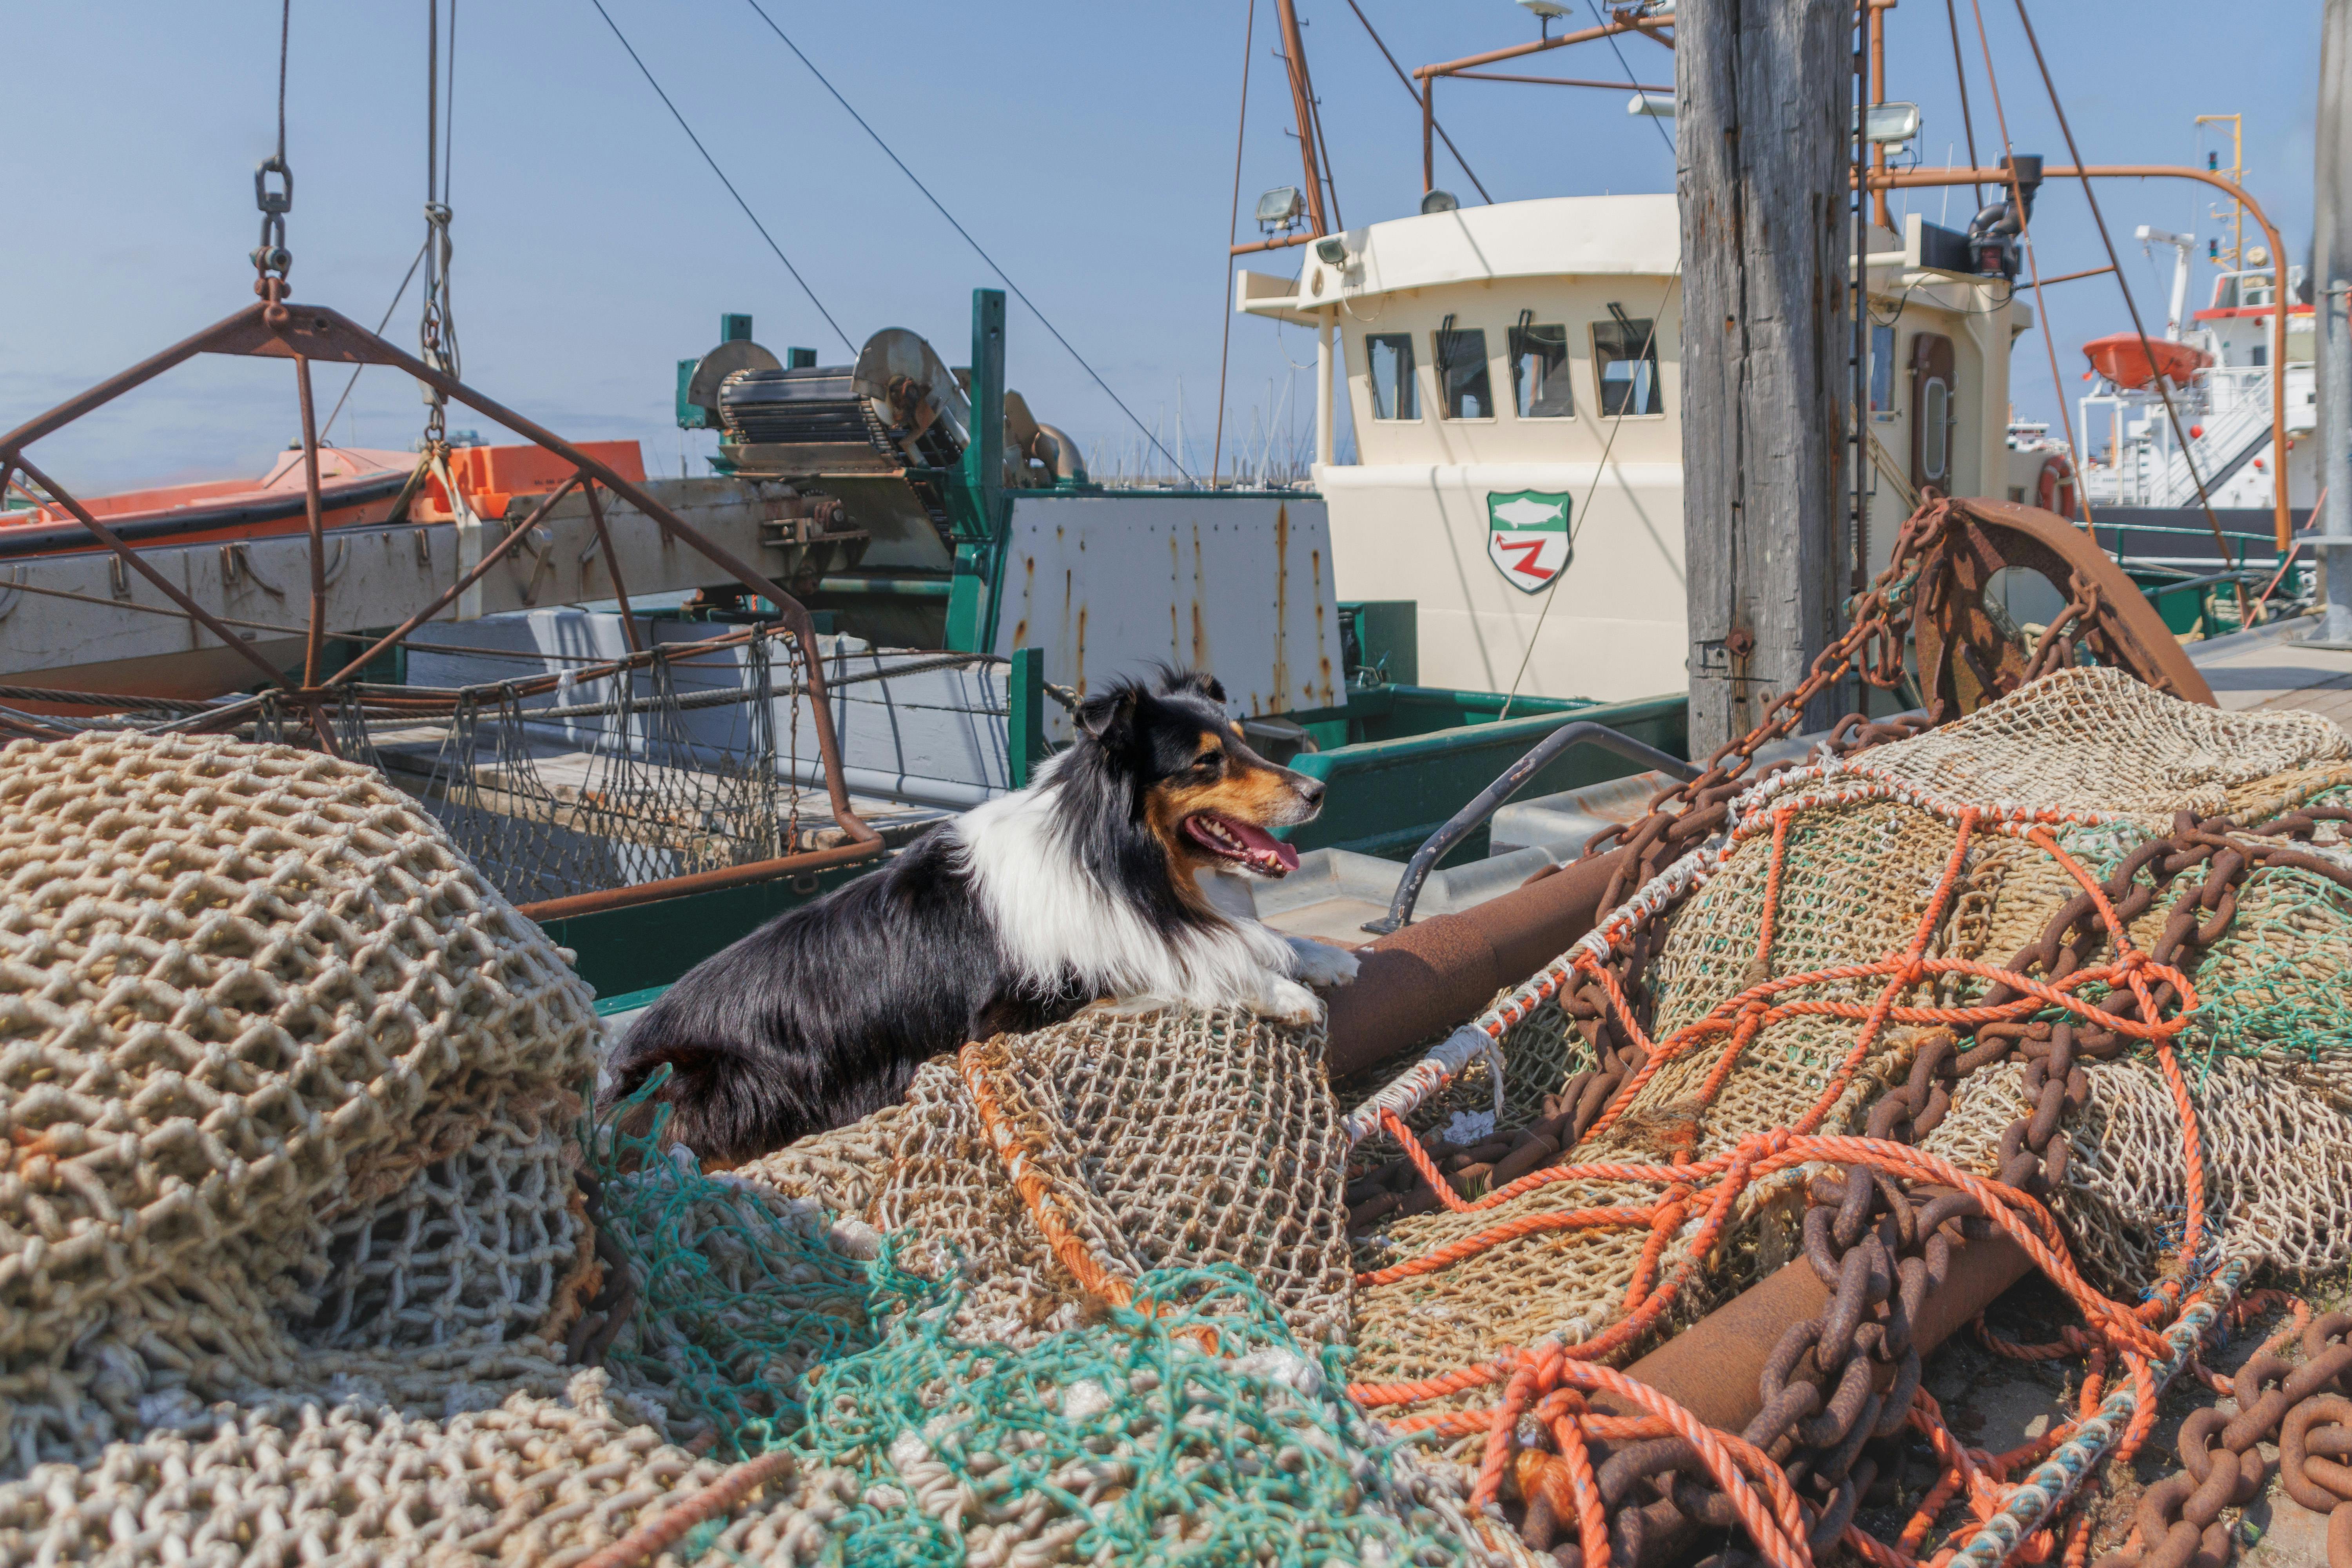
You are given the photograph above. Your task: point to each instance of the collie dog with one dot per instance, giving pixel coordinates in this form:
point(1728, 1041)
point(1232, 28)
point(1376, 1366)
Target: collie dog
point(1080, 888)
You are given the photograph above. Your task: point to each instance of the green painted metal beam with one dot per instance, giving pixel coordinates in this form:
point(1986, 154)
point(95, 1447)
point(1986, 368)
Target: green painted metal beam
point(1024, 725)
point(977, 509)
point(650, 945)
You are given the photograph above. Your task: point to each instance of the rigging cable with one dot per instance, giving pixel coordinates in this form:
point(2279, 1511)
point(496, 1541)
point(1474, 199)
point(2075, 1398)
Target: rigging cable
point(436, 331)
point(1233, 228)
point(1960, 74)
point(1433, 125)
point(2082, 487)
point(1616, 423)
point(731, 190)
point(943, 211)
point(326, 430)
point(2041, 308)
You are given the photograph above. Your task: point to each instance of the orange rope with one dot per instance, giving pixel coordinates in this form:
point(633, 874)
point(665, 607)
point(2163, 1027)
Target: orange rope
point(1037, 1195)
point(1545, 1380)
point(1036, 1191)
point(1421, 1161)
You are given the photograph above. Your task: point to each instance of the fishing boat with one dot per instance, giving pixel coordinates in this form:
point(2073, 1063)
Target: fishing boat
point(1662, 1179)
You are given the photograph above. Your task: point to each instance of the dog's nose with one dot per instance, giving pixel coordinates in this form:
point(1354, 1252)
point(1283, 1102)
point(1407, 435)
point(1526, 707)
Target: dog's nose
point(1310, 790)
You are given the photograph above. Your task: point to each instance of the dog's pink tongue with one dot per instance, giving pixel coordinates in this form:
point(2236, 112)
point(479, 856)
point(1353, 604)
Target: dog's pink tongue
point(1263, 847)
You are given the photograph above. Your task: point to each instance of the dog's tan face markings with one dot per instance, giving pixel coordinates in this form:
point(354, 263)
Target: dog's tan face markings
point(1225, 779)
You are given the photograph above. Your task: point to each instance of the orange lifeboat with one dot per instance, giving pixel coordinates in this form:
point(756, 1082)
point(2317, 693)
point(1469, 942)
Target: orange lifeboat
point(356, 486)
point(2125, 360)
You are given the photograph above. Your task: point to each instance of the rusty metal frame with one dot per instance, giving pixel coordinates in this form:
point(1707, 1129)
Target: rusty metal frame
point(270, 328)
point(1964, 661)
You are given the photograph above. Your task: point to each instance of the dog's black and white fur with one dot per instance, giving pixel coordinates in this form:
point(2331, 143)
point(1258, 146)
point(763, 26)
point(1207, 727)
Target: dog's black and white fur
point(1017, 914)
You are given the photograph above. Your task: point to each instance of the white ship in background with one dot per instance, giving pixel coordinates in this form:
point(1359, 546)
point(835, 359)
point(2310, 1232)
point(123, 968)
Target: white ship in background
point(2216, 366)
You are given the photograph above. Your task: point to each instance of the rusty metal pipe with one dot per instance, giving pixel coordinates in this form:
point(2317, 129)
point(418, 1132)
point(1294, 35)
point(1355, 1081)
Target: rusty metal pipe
point(1560, 81)
point(610, 898)
point(1281, 242)
point(613, 566)
point(1518, 51)
point(314, 644)
point(106, 391)
point(1906, 179)
point(1416, 984)
point(1712, 1368)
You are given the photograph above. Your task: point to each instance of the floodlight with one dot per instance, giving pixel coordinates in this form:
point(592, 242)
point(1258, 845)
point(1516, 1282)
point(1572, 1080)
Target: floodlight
point(1890, 124)
point(1280, 207)
point(1439, 202)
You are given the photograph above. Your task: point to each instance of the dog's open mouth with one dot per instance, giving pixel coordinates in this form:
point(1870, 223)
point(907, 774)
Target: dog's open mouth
point(1250, 848)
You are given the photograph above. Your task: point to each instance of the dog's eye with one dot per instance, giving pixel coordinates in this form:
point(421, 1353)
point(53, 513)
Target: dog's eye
point(1208, 761)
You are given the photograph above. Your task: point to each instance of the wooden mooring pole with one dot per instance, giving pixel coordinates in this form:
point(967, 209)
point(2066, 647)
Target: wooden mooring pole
point(1763, 90)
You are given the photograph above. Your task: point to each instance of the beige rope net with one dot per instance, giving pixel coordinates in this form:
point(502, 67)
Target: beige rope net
point(1859, 870)
point(1171, 1140)
point(296, 1260)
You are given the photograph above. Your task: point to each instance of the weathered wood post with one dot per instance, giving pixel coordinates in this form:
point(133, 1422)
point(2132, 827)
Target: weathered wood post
point(1763, 132)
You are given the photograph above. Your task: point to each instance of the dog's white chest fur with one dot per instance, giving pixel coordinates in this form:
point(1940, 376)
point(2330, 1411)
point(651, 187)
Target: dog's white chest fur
point(1057, 924)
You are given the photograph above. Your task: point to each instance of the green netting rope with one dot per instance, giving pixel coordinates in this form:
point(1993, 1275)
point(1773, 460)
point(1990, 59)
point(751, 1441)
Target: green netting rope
point(1123, 1440)
point(739, 1294)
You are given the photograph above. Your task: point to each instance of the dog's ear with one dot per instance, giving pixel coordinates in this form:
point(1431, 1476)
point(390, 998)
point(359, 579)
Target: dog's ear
point(1110, 717)
point(1192, 683)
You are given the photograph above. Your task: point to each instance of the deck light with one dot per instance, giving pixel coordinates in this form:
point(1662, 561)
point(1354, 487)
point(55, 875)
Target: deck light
point(1331, 250)
point(1439, 202)
point(1280, 208)
point(1890, 124)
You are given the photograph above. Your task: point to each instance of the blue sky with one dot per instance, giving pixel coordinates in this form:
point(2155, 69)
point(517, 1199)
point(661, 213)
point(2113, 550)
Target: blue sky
point(1089, 147)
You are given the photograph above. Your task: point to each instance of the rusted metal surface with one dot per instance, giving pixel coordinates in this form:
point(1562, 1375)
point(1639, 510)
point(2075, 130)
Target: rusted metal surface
point(480, 569)
point(1420, 982)
point(123, 553)
point(1113, 584)
point(314, 644)
point(1713, 1368)
point(611, 899)
point(613, 566)
point(1963, 659)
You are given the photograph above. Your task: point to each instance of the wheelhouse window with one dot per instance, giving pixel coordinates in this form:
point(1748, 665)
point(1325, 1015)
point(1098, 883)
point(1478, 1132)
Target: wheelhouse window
point(1881, 368)
point(1462, 388)
point(1390, 358)
point(1626, 364)
point(1540, 388)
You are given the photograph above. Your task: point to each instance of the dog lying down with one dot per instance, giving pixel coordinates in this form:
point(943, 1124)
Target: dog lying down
point(1012, 917)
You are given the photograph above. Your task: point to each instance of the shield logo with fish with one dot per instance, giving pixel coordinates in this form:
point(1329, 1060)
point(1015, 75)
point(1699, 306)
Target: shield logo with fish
point(1527, 537)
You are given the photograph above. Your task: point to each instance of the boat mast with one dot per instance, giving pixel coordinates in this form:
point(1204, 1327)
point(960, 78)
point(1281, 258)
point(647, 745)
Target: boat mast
point(1310, 124)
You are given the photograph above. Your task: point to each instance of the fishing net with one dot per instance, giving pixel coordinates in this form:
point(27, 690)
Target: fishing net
point(306, 1240)
point(680, 760)
point(279, 1076)
point(1781, 980)
point(1168, 1140)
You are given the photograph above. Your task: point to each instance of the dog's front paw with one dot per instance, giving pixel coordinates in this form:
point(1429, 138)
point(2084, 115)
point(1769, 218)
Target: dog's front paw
point(1288, 1002)
point(1319, 964)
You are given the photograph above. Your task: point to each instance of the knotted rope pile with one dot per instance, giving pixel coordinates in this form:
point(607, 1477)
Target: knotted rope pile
point(280, 1079)
point(2069, 879)
point(303, 1242)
